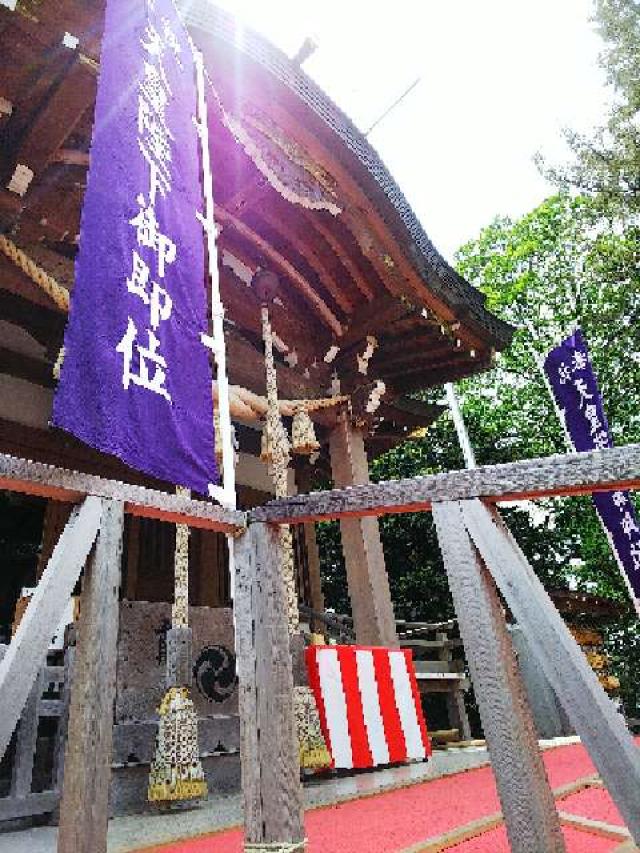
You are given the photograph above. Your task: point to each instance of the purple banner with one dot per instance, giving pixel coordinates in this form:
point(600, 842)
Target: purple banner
point(576, 390)
point(136, 379)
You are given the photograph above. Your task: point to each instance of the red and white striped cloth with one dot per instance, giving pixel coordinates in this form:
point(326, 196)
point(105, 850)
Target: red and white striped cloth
point(369, 704)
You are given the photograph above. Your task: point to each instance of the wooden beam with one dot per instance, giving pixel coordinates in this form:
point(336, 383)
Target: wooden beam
point(35, 478)
point(60, 113)
point(18, 296)
point(27, 651)
point(269, 749)
point(283, 266)
point(84, 808)
point(333, 241)
point(449, 372)
point(300, 242)
point(72, 157)
point(595, 718)
point(574, 474)
point(26, 367)
point(378, 314)
point(246, 368)
point(525, 794)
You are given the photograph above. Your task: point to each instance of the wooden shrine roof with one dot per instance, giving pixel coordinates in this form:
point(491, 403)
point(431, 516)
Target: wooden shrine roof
point(298, 190)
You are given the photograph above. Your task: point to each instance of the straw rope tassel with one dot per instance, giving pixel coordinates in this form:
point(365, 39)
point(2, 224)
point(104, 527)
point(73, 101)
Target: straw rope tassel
point(176, 771)
point(58, 293)
point(313, 749)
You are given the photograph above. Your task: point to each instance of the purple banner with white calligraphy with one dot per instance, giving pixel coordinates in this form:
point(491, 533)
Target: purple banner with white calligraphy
point(136, 379)
point(576, 390)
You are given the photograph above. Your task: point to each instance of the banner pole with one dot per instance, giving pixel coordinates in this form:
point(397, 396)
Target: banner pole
point(216, 342)
point(461, 427)
point(226, 495)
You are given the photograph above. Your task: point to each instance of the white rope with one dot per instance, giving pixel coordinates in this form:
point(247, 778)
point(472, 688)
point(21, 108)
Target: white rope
point(276, 846)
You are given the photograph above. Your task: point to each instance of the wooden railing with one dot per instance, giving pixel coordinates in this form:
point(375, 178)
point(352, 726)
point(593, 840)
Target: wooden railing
point(480, 557)
point(49, 698)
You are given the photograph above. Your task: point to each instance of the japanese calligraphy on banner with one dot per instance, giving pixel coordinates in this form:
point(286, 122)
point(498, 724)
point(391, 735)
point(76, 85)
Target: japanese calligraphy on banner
point(136, 378)
point(575, 388)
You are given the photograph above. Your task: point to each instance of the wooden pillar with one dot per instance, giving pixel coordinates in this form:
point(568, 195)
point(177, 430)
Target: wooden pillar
point(269, 748)
point(457, 713)
point(371, 606)
point(303, 481)
point(527, 800)
point(84, 808)
point(601, 728)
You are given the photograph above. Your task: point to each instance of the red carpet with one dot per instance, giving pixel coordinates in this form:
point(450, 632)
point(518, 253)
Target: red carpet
point(576, 841)
point(393, 821)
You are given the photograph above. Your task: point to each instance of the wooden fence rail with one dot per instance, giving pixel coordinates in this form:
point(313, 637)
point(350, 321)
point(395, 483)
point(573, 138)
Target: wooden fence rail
point(575, 474)
point(479, 555)
point(36, 478)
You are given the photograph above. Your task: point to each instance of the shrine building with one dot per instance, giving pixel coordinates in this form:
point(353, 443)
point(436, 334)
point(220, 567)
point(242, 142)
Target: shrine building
point(366, 313)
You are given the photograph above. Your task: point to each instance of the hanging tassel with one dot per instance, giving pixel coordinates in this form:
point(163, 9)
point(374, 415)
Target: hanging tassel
point(303, 434)
point(176, 771)
point(313, 751)
point(276, 452)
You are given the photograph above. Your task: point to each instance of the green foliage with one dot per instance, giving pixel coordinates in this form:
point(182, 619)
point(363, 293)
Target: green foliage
point(607, 163)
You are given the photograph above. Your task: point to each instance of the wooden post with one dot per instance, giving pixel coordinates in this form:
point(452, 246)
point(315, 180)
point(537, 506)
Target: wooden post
point(87, 767)
point(371, 605)
point(527, 800)
point(28, 648)
point(22, 773)
point(269, 747)
point(600, 727)
point(303, 481)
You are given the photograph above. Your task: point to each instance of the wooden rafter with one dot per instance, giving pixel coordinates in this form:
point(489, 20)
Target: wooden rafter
point(283, 266)
point(380, 246)
point(57, 118)
point(288, 231)
point(243, 308)
point(334, 243)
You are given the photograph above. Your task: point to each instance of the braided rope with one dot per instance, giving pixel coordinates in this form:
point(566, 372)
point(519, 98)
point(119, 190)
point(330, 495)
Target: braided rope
point(45, 282)
point(276, 846)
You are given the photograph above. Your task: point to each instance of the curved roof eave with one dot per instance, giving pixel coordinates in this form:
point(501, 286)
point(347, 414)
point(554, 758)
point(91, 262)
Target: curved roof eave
point(437, 274)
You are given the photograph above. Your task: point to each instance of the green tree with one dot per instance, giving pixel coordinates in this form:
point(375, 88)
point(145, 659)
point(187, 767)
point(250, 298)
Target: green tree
point(564, 264)
point(607, 163)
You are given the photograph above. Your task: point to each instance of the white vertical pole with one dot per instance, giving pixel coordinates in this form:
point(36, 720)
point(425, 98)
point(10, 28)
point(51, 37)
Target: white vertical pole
point(226, 495)
point(461, 429)
point(217, 309)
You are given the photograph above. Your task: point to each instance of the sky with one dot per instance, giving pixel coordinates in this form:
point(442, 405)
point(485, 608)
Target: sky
point(499, 79)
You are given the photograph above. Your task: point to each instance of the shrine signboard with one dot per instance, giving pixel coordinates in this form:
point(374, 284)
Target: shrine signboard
point(575, 388)
point(136, 378)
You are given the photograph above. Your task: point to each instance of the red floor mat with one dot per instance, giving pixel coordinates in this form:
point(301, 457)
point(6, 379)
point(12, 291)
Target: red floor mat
point(391, 822)
point(576, 840)
point(594, 803)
